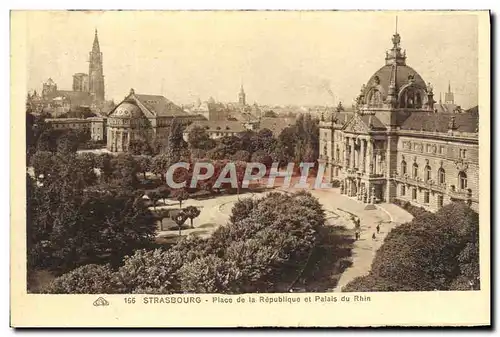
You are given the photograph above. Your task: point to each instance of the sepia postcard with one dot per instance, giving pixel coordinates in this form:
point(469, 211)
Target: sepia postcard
point(250, 168)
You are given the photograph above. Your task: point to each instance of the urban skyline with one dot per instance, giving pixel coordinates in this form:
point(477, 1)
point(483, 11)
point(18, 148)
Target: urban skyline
point(292, 72)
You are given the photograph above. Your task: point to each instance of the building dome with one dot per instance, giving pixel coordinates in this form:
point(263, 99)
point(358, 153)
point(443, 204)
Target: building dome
point(395, 85)
point(404, 75)
point(127, 110)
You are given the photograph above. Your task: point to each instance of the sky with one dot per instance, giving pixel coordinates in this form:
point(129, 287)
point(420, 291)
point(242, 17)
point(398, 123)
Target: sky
point(281, 57)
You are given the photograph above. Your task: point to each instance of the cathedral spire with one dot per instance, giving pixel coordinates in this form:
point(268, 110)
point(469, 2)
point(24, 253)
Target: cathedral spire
point(96, 77)
point(242, 96)
point(95, 46)
point(449, 86)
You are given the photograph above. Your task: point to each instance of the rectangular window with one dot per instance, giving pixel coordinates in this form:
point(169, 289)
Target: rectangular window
point(426, 197)
point(403, 190)
point(440, 201)
point(441, 149)
point(429, 148)
point(414, 194)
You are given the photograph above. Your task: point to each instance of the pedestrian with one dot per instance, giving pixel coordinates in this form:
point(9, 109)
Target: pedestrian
point(356, 235)
point(373, 236)
point(378, 228)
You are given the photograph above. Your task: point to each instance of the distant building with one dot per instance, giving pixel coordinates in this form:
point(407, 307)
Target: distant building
point(81, 82)
point(69, 123)
point(217, 129)
point(88, 90)
point(448, 106)
point(395, 146)
point(97, 128)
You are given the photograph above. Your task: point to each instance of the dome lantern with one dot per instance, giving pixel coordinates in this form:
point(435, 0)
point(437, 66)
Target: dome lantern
point(394, 55)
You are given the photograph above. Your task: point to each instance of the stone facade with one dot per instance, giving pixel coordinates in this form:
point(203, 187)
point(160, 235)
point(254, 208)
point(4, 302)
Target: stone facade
point(396, 146)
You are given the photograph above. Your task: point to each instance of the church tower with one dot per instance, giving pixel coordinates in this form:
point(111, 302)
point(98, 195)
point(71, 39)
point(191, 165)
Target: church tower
point(242, 97)
point(449, 97)
point(96, 77)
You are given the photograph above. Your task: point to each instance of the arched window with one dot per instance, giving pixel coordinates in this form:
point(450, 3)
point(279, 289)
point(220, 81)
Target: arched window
point(375, 98)
point(415, 170)
point(403, 167)
point(462, 180)
point(427, 173)
point(418, 101)
point(441, 176)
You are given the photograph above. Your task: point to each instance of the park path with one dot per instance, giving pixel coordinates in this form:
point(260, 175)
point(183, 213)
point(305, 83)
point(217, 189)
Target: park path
point(215, 212)
point(363, 251)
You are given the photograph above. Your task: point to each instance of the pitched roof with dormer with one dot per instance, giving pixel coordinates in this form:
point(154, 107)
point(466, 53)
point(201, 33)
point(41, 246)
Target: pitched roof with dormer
point(152, 106)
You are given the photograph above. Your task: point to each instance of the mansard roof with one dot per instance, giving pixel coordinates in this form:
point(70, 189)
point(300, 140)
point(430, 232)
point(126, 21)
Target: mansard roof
point(438, 122)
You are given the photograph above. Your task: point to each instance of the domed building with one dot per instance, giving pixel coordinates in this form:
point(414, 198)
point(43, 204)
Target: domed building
point(395, 146)
point(142, 117)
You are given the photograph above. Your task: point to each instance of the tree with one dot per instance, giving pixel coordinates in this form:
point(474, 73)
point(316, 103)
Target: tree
point(43, 163)
point(198, 154)
point(163, 192)
point(179, 217)
point(125, 171)
point(240, 167)
point(99, 227)
point(247, 138)
point(174, 142)
point(180, 195)
point(287, 140)
point(154, 196)
point(261, 156)
point(47, 141)
point(241, 155)
point(68, 142)
point(192, 212)
point(279, 154)
point(198, 138)
point(160, 165)
point(229, 145)
point(105, 165)
point(144, 164)
point(139, 147)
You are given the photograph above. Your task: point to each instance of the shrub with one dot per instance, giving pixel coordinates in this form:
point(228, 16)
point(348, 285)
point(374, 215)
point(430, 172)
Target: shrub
point(88, 279)
point(153, 272)
point(208, 274)
point(241, 209)
point(413, 210)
